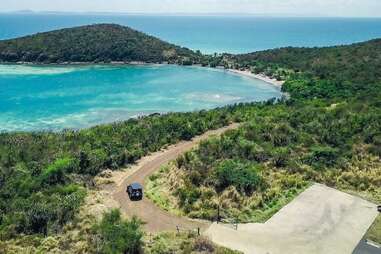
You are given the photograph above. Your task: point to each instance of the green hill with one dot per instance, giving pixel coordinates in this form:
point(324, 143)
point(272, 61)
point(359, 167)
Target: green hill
point(93, 43)
point(328, 72)
point(359, 62)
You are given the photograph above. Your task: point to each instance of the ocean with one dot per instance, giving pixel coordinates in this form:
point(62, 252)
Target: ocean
point(55, 98)
point(212, 34)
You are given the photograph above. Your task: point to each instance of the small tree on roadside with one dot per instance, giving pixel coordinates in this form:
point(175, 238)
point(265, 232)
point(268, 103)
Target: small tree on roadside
point(118, 235)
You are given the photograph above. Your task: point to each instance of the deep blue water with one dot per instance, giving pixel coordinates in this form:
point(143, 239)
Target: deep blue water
point(212, 34)
point(36, 98)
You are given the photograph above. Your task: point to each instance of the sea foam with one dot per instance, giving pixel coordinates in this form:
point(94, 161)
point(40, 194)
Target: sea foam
point(35, 70)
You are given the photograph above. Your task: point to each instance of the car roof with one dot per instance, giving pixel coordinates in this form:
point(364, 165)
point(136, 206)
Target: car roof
point(136, 186)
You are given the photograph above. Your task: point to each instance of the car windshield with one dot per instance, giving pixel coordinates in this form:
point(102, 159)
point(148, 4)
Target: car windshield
point(136, 186)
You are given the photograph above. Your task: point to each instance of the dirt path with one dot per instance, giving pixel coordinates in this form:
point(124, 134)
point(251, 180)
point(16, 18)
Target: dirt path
point(156, 219)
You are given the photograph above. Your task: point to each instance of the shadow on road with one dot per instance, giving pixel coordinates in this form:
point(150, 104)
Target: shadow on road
point(365, 248)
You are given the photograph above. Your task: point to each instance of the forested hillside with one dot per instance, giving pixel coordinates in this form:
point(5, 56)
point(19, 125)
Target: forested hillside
point(340, 71)
point(360, 62)
point(94, 43)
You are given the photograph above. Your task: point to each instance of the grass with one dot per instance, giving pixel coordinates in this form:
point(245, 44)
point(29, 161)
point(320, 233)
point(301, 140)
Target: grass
point(159, 194)
point(186, 243)
point(258, 208)
point(374, 232)
point(261, 216)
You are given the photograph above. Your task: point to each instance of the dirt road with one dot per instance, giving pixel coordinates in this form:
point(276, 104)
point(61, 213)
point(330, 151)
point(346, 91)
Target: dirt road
point(156, 219)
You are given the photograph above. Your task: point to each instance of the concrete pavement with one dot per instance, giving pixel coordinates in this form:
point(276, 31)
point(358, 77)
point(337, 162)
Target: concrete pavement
point(365, 247)
point(321, 220)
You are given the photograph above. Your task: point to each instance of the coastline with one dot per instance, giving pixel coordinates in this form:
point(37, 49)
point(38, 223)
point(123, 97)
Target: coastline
point(262, 77)
point(245, 73)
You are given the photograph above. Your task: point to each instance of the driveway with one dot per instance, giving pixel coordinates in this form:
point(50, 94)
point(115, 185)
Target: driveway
point(321, 220)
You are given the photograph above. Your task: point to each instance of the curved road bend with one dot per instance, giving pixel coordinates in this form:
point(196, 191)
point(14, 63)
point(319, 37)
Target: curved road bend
point(155, 218)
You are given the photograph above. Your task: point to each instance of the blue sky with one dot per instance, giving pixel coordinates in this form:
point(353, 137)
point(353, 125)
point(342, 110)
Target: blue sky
point(352, 8)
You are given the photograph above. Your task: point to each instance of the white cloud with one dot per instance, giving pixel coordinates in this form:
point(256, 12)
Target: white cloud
point(285, 7)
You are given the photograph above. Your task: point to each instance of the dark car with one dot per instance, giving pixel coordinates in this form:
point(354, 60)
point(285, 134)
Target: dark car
point(379, 208)
point(135, 191)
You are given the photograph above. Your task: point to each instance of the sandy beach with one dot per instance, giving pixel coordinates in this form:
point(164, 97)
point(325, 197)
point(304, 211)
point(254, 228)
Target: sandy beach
point(262, 77)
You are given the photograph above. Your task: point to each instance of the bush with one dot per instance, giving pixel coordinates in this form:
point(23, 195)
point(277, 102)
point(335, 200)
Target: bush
point(46, 212)
point(322, 156)
point(187, 196)
point(243, 176)
point(118, 235)
point(55, 172)
point(281, 156)
point(202, 244)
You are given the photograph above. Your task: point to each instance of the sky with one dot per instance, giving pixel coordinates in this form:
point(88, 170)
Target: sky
point(332, 8)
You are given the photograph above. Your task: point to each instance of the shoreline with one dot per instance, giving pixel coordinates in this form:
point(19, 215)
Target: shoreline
point(262, 77)
point(245, 73)
point(133, 63)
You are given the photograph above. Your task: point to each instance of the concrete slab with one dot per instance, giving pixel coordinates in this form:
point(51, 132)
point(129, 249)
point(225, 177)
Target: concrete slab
point(320, 220)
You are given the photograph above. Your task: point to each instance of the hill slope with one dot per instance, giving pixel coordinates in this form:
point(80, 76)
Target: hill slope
point(339, 71)
point(359, 62)
point(93, 43)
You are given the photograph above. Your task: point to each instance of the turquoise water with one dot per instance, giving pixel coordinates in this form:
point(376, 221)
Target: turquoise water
point(54, 98)
point(35, 98)
point(212, 34)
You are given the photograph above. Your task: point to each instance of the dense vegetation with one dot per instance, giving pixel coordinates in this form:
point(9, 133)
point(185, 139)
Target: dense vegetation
point(356, 63)
point(251, 172)
point(329, 131)
point(41, 173)
point(94, 43)
point(330, 72)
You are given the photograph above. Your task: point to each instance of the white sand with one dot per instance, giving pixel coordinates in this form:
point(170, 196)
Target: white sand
point(262, 77)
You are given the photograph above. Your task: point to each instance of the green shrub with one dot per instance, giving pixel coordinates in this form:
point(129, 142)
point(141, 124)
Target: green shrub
point(44, 212)
point(281, 156)
point(243, 176)
point(322, 156)
point(55, 172)
point(118, 235)
point(187, 196)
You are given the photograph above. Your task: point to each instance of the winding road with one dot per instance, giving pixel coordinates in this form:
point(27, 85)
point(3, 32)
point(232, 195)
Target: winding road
point(320, 220)
point(156, 219)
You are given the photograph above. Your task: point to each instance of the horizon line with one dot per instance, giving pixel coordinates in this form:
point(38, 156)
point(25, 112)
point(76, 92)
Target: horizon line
point(211, 14)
